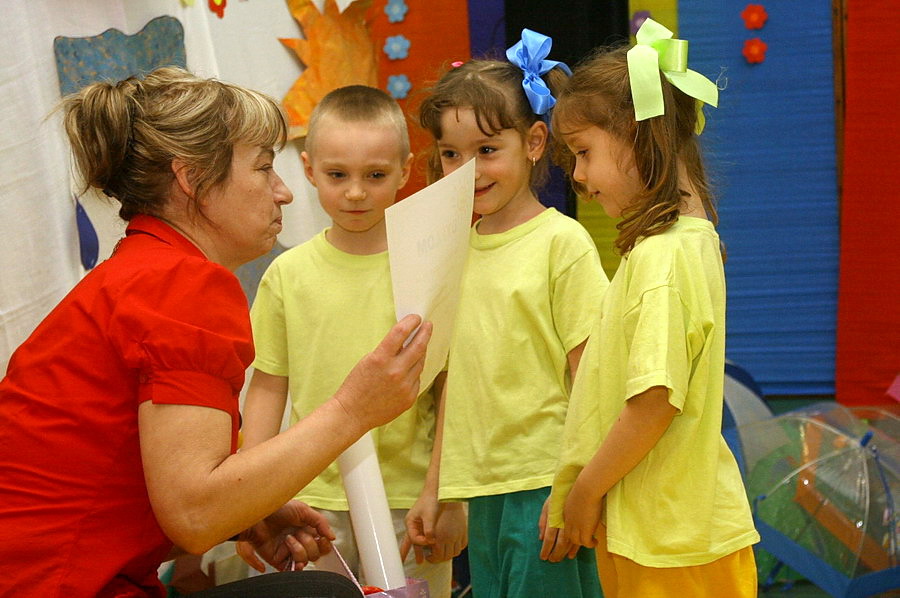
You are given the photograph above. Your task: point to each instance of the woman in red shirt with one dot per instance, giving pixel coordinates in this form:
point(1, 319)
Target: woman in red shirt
point(119, 414)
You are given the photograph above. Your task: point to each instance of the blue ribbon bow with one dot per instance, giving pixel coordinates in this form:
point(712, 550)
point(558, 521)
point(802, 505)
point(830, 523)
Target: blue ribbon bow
point(528, 54)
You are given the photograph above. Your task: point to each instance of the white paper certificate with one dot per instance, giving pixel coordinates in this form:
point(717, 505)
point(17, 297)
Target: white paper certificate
point(428, 243)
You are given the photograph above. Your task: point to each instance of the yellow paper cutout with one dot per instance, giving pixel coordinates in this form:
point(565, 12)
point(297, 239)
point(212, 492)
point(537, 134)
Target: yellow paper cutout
point(338, 51)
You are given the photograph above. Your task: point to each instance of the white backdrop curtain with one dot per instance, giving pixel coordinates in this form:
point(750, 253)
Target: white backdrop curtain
point(39, 254)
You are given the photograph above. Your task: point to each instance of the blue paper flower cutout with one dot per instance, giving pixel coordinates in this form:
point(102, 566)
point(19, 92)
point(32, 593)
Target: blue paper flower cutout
point(396, 10)
point(396, 47)
point(398, 86)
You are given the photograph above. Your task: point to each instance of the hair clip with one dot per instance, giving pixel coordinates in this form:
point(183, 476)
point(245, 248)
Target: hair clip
point(656, 50)
point(528, 54)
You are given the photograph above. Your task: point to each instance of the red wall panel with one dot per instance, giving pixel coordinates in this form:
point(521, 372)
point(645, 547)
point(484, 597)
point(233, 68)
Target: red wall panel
point(868, 331)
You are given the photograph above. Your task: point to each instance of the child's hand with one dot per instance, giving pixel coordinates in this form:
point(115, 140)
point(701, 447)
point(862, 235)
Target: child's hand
point(440, 529)
point(582, 515)
point(386, 381)
point(451, 533)
point(555, 545)
point(420, 520)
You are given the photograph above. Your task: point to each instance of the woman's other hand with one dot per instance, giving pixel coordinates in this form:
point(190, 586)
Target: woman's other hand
point(296, 533)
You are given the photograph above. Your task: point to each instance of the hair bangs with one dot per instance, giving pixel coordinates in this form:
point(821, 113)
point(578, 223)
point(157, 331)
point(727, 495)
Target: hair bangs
point(256, 119)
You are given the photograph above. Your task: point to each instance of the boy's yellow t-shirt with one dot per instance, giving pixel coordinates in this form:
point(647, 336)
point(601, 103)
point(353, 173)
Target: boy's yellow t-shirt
point(662, 323)
point(318, 311)
point(529, 296)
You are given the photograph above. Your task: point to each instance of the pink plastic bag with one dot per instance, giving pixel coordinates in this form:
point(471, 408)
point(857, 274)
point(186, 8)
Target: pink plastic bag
point(414, 588)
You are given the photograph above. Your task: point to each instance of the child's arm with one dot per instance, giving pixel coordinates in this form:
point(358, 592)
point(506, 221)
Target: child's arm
point(263, 408)
point(574, 358)
point(640, 425)
point(555, 544)
point(442, 526)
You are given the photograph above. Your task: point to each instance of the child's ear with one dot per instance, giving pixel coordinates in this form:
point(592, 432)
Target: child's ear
point(307, 167)
point(536, 139)
point(406, 170)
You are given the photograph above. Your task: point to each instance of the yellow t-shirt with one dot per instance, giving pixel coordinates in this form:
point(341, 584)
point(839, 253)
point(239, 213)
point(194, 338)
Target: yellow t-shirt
point(529, 296)
point(662, 323)
point(318, 311)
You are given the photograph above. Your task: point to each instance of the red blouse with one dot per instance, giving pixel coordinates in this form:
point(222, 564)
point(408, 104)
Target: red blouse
point(157, 321)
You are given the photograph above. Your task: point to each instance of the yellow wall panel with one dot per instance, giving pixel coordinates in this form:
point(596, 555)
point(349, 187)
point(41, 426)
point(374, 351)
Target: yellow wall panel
point(664, 12)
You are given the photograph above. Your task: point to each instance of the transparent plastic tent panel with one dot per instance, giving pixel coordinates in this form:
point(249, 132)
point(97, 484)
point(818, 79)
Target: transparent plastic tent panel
point(883, 419)
point(828, 481)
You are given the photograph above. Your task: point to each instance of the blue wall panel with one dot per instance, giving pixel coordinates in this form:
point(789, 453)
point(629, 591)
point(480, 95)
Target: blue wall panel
point(770, 147)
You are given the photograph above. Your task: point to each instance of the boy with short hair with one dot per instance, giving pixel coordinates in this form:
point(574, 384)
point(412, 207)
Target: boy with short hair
point(324, 304)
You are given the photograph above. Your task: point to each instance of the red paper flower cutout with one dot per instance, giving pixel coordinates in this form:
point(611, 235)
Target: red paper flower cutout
point(218, 7)
point(754, 16)
point(755, 50)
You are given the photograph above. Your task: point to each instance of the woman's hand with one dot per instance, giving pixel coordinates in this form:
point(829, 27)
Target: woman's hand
point(296, 533)
point(385, 382)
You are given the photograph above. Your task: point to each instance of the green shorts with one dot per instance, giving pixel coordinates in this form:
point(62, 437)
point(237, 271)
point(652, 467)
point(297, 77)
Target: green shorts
point(504, 552)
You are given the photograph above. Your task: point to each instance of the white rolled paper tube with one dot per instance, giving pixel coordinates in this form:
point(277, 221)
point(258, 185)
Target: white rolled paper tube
point(373, 526)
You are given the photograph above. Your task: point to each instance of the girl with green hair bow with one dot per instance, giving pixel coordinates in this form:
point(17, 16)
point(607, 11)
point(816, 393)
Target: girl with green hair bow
point(645, 475)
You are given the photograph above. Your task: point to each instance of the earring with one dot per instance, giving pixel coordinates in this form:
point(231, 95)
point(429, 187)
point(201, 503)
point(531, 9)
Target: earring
point(533, 161)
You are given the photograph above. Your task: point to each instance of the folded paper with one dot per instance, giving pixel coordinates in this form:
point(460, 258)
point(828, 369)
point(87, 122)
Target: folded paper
point(428, 243)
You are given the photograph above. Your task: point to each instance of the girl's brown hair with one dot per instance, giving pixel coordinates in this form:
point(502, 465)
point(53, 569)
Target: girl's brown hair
point(124, 136)
point(599, 94)
point(493, 90)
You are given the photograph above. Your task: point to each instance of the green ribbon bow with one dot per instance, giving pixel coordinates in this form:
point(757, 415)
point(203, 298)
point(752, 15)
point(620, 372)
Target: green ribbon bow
point(656, 50)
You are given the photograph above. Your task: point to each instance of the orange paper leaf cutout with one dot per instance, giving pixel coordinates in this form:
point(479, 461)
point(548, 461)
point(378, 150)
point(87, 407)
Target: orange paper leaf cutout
point(338, 51)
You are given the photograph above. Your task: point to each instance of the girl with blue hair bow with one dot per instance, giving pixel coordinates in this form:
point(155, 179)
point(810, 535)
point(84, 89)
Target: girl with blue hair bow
point(521, 327)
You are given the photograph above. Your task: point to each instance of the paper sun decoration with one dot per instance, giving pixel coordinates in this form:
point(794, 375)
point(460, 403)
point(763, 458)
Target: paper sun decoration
point(337, 51)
